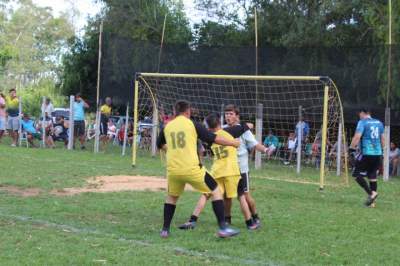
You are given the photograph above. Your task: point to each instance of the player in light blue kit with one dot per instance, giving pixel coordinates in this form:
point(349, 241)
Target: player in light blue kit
point(370, 139)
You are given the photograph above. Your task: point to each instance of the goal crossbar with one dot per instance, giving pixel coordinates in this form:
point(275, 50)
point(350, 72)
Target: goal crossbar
point(238, 77)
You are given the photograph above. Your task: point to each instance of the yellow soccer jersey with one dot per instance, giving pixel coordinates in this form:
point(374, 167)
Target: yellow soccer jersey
point(180, 135)
point(225, 162)
point(105, 110)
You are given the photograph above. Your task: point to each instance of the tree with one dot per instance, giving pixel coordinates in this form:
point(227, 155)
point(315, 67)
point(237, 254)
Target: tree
point(31, 44)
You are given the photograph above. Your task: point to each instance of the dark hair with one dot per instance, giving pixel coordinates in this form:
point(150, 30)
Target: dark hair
point(212, 120)
point(181, 106)
point(364, 110)
point(13, 89)
point(78, 95)
point(232, 108)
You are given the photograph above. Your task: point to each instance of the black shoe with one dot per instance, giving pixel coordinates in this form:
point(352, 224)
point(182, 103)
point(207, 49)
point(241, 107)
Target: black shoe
point(370, 200)
point(83, 148)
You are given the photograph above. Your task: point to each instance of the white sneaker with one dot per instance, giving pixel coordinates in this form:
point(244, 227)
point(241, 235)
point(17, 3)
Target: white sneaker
point(13, 145)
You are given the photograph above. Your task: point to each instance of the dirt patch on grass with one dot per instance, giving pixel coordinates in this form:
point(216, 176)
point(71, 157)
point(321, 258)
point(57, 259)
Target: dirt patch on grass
point(105, 184)
point(100, 184)
point(22, 192)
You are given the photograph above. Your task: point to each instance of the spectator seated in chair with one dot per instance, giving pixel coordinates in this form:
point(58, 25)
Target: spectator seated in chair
point(60, 130)
point(271, 142)
point(290, 147)
point(47, 124)
point(28, 127)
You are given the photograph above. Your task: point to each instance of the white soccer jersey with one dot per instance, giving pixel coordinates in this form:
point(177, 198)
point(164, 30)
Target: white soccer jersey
point(247, 142)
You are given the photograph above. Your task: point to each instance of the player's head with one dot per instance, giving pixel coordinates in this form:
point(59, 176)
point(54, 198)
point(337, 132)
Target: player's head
point(392, 146)
point(213, 121)
point(78, 97)
point(108, 100)
point(25, 117)
point(364, 113)
point(13, 92)
point(183, 107)
point(231, 114)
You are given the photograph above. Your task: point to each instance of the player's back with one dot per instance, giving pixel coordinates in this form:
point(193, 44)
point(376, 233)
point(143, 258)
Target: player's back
point(181, 138)
point(371, 129)
point(225, 161)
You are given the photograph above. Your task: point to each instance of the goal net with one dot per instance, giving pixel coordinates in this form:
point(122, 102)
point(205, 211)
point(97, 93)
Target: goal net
point(300, 118)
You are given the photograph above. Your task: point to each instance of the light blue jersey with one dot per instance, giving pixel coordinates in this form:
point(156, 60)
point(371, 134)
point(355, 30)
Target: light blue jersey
point(28, 126)
point(371, 131)
point(79, 113)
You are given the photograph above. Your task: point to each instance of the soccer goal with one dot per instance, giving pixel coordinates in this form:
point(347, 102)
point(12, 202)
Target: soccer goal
point(301, 117)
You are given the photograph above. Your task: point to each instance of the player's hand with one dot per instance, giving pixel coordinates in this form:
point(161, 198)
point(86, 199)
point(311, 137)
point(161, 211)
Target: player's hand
point(352, 152)
point(250, 125)
point(236, 143)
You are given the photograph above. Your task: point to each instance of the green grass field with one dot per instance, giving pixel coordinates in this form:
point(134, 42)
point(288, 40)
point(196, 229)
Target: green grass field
point(301, 226)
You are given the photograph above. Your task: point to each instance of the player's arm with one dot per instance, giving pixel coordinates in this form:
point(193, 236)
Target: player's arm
point(161, 142)
point(85, 105)
point(357, 136)
point(209, 137)
point(238, 130)
point(252, 143)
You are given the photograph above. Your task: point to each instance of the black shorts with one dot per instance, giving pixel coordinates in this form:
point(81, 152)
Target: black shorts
point(367, 166)
point(103, 128)
point(245, 182)
point(79, 128)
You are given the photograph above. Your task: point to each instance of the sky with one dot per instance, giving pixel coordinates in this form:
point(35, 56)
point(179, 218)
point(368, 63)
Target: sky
point(90, 8)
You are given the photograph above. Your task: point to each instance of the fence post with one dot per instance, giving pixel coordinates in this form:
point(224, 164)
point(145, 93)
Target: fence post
point(125, 130)
point(154, 131)
point(71, 122)
point(386, 148)
point(339, 150)
point(299, 139)
point(43, 121)
point(259, 128)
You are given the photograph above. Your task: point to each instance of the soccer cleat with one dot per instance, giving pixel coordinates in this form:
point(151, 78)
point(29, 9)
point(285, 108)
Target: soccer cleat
point(227, 232)
point(370, 200)
point(188, 225)
point(257, 221)
point(253, 226)
point(164, 233)
point(373, 205)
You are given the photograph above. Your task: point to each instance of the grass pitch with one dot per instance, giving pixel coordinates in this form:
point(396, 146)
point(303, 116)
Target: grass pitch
point(301, 226)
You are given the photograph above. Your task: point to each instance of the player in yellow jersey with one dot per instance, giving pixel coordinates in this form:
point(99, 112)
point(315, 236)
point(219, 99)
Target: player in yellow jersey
point(179, 140)
point(225, 170)
point(105, 113)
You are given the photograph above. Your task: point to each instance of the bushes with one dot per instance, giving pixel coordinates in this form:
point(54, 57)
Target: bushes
point(32, 97)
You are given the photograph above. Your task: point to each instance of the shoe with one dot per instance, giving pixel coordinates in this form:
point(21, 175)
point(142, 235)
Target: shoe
point(371, 199)
point(253, 226)
point(188, 225)
point(286, 163)
point(13, 145)
point(257, 221)
point(373, 205)
point(164, 233)
point(83, 148)
point(227, 232)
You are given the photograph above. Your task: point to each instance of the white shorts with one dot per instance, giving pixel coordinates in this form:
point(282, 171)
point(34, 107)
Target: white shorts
point(2, 123)
point(13, 123)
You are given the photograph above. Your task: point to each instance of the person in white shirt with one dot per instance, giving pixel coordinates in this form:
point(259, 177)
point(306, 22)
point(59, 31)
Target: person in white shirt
point(247, 143)
point(47, 108)
point(291, 147)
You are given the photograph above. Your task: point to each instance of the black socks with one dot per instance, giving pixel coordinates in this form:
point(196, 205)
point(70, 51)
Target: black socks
point(361, 181)
point(373, 185)
point(218, 207)
point(169, 210)
point(193, 218)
